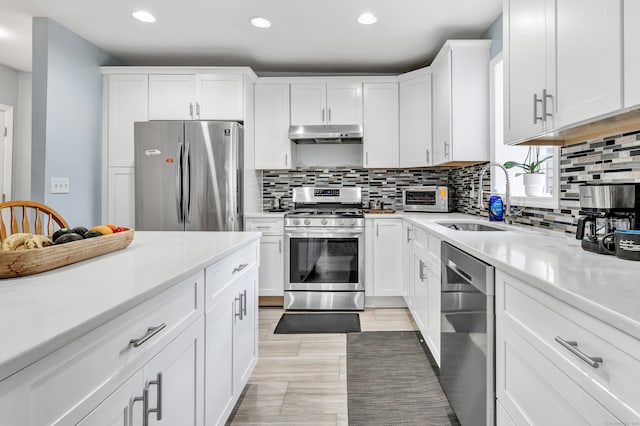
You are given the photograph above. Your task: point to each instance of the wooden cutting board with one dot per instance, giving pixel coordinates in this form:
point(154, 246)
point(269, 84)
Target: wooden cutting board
point(379, 211)
point(28, 262)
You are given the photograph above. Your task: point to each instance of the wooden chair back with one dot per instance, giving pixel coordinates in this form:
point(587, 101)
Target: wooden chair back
point(20, 215)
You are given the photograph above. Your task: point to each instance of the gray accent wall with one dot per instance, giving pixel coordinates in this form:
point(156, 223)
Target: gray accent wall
point(494, 32)
point(67, 120)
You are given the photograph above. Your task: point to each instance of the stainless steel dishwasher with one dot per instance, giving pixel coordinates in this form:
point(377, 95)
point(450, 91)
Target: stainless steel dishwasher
point(467, 360)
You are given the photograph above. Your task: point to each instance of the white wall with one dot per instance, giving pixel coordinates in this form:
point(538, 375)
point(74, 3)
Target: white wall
point(67, 120)
point(21, 186)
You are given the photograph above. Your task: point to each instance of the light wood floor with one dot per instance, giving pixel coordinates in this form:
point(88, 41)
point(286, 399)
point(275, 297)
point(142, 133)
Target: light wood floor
point(302, 378)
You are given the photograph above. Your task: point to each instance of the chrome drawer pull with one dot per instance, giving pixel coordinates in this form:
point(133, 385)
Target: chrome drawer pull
point(240, 268)
point(244, 303)
point(158, 409)
point(151, 331)
point(593, 361)
point(239, 312)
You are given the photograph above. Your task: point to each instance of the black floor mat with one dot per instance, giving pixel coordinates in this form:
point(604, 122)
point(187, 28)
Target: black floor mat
point(318, 323)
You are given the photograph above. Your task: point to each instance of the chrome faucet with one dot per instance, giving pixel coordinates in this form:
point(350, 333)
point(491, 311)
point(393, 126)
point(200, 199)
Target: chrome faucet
point(507, 215)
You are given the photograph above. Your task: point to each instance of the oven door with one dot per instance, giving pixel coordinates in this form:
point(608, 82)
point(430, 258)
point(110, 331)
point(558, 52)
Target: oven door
point(324, 259)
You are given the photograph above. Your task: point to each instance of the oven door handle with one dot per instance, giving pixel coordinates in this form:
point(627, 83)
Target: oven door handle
point(325, 233)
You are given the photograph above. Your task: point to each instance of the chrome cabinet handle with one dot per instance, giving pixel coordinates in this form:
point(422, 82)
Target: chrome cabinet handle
point(377, 229)
point(329, 120)
point(446, 148)
point(545, 96)
point(408, 235)
point(239, 312)
point(198, 109)
point(244, 303)
point(280, 246)
point(572, 346)
point(428, 157)
point(263, 227)
point(158, 409)
point(151, 331)
point(239, 268)
point(366, 155)
point(286, 159)
point(535, 109)
point(191, 110)
point(323, 115)
point(421, 270)
point(145, 405)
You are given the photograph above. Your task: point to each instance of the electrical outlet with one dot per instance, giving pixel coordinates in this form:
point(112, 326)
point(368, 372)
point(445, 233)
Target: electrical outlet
point(59, 185)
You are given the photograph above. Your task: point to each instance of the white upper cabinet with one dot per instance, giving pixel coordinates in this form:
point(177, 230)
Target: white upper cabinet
point(171, 97)
point(562, 64)
point(344, 103)
point(272, 144)
point(461, 102)
point(128, 103)
point(631, 53)
point(381, 138)
point(415, 122)
point(320, 103)
point(196, 97)
point(219, 97)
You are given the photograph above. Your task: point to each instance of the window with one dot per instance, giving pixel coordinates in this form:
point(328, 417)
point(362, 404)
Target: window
point(502, 153)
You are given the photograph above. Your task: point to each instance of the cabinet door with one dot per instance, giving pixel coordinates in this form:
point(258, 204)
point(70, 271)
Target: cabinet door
point(245, 330)
point(175, 379)
point(387, 257)
point(525, 61)
point(219, 97)
point(407, 229)
point(415, 122)
point(121, 196)
point(128, 103)
point(381, 138)
point(432, 274)
point(631, 53)
point(586, 88)
point(442, 111)
point(420, 292)
point(344, 103)
point(219, 396)
point(171, 97)
point(272, 144)
point(272, 266)
point(119, 409)
point(308, 103)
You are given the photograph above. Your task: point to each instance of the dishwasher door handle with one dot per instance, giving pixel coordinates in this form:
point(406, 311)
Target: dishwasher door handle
point(480, 286)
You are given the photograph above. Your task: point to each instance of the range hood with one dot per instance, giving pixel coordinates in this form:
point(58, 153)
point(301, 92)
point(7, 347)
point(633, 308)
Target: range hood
point(326, 134)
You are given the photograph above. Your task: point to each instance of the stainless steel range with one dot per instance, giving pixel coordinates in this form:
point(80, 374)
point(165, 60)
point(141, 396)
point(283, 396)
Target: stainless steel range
point(324, 250)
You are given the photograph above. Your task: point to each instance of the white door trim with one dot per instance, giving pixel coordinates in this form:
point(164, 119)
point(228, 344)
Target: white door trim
point(5, 191)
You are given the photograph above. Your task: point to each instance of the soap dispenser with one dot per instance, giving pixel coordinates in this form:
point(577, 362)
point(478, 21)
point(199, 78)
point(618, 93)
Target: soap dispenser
point(496, 207)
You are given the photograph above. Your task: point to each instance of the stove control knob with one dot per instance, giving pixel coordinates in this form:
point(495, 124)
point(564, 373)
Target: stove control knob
point(296, 221)
point(307, 221)
point(324, 221)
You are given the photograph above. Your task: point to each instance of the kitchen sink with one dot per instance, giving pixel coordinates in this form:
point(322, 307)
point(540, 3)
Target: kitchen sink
point(469, 226)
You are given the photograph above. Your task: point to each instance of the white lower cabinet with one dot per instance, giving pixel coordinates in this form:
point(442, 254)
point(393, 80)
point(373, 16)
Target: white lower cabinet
point(540, 380)
point(271, 254)
point(386, 257)
point(119, 409)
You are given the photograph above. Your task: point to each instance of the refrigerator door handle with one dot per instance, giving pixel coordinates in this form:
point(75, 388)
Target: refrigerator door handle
point(179, 183)
point(186, 196)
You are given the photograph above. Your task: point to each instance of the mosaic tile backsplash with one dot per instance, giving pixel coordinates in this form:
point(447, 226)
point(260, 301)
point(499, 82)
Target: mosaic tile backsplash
point(612, 159)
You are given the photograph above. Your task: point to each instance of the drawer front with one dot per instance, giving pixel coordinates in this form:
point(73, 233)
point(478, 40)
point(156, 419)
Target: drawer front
point(228, 269)
point(544, 319)
point(66, 385)
point(266, 226)
point(532, 390)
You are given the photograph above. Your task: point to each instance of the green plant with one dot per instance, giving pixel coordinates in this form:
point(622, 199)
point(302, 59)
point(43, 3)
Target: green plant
point(531, 164)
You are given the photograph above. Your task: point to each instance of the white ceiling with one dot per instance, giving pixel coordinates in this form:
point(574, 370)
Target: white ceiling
point(306, 35)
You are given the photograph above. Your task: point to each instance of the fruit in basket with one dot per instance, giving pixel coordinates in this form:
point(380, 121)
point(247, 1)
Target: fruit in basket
point(59, 232)
point(91, 234)
point(115, 228)
point(80, 230)
point(25, 241)
point(67, 238)
point(103, 229)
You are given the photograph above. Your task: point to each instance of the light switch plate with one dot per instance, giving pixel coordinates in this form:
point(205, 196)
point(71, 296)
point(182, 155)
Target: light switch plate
point(59, 185)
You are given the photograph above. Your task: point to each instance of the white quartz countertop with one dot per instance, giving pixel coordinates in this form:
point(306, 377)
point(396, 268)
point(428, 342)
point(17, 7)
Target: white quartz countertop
point(41, 313)
point(603, 286)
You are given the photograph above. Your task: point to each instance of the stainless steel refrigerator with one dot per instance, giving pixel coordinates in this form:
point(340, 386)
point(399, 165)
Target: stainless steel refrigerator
point(188, 176)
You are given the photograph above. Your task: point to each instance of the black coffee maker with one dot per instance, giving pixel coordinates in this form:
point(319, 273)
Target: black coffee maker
point(605, 208)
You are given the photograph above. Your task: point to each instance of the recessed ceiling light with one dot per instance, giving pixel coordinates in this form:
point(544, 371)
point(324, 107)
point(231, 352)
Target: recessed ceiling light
point(260, 22)
point(367, 18)
point(144, 16)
